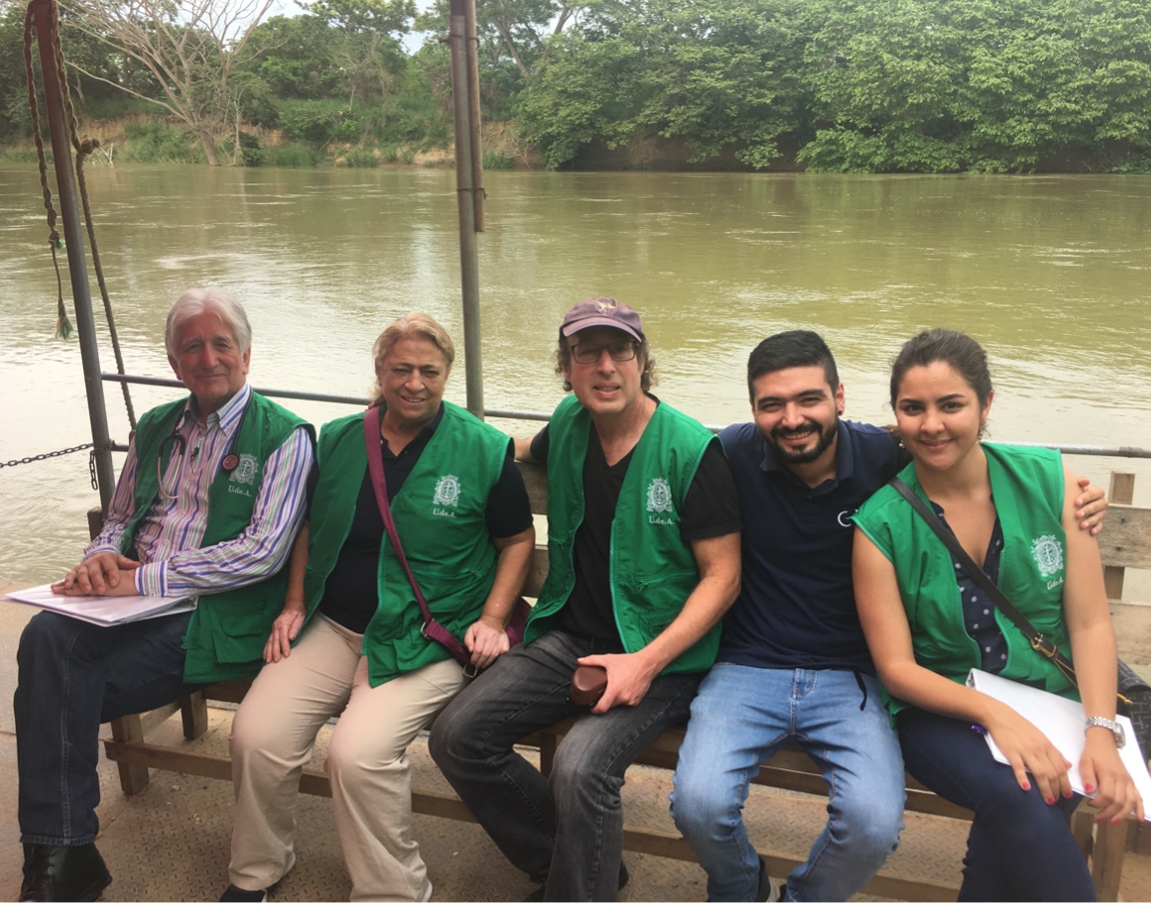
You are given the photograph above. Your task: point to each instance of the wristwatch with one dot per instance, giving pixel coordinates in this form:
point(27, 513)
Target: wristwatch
point(1114, 726)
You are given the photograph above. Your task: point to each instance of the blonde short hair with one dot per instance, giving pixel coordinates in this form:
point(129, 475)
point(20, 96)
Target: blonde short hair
point(413, 325)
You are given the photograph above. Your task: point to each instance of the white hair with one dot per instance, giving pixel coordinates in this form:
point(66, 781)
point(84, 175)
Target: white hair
point(197, 300)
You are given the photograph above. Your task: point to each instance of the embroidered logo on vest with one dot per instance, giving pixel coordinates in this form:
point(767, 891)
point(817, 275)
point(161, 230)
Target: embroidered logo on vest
point(1048, 554)
point(659, 501)
point(447, 495)
point(245, 471)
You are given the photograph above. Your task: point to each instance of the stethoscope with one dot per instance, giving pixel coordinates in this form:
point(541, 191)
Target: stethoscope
point(231, 459)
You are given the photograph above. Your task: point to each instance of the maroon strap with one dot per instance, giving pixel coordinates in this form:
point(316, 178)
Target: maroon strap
point(432, 629)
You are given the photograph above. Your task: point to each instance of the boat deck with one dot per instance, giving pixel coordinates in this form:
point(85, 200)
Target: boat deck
point(171, 841)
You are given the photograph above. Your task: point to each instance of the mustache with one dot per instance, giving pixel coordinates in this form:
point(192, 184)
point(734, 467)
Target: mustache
point(782, 432)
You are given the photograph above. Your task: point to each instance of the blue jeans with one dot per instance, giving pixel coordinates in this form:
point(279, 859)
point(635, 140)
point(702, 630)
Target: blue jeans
point(740, 717)
point(566, 831)
point(74, 676)
point(1019, 848)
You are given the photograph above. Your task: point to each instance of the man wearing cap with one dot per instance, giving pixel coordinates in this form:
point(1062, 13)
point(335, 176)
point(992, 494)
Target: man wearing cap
point(644, 559)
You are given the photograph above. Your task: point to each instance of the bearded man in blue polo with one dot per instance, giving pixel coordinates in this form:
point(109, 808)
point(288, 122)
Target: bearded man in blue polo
point(643, 544)
point(208, 504)
point(793, 665)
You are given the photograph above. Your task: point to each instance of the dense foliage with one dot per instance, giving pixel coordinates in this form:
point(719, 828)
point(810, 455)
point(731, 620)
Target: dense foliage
point(994, 85)
point(843, 85)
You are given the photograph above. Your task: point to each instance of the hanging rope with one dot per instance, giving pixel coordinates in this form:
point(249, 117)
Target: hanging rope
point(63, 326)
point(83, 150)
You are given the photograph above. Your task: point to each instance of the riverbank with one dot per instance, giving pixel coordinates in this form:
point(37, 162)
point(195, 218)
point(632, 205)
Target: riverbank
point(144, 138)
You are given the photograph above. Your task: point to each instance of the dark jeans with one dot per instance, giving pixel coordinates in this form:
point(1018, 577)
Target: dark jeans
point(566, 830)
point(74, 676)
point(1019, 848)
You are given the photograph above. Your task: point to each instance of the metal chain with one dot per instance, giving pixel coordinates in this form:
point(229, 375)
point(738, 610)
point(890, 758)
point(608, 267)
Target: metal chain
point(46, 455)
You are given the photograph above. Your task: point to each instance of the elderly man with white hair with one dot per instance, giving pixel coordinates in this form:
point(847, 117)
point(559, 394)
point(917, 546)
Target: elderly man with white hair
point(208, 504)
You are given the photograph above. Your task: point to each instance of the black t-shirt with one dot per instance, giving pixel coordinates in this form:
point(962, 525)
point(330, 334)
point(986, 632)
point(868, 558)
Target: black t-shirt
point(351, 593)
point(710, 509)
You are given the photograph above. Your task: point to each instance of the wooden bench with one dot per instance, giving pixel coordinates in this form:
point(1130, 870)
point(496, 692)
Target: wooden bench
point(1125, 542)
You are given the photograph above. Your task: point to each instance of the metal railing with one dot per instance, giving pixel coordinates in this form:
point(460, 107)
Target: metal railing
point(1122, 451)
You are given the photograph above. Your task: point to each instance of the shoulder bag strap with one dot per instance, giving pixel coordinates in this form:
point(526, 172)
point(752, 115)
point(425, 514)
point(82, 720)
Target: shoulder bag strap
point(1038, 642)
point(432, 629)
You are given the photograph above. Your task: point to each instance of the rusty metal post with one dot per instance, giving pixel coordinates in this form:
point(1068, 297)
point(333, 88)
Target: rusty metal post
point(465, 193)
point(474, 111)
point(74, 241)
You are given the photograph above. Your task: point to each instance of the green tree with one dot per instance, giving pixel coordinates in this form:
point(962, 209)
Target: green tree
point(709, 73)
point(295, 57)
point(189, 46)
point(368, 47)
point(993, 85)
point(518, 30)
point(14, 119)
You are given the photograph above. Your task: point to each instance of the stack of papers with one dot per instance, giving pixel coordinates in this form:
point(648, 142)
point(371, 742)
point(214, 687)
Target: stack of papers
point(1064, 723)
point(104, 610)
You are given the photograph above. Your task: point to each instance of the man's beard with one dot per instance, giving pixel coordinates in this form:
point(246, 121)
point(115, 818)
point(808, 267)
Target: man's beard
point(803, 456)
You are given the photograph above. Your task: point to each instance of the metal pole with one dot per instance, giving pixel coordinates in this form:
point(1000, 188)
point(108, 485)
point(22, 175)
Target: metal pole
point(469, 263)
point(77, 267)
point(474, 110)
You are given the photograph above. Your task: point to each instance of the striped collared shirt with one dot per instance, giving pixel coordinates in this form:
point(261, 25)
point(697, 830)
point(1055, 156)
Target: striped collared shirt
point(169, 535)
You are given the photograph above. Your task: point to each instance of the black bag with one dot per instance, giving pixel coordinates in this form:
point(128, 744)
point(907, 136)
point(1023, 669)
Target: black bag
point(1138, 709)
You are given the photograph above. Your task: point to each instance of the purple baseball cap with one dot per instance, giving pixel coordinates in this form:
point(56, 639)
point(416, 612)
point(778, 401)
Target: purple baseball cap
point(602, 312)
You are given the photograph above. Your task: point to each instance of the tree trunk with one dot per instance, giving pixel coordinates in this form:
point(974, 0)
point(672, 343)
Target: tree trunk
point(209, 149)
point(506, 35)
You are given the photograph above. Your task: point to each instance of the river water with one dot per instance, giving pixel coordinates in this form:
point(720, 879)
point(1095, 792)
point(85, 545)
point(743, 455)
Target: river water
point(1052, 274)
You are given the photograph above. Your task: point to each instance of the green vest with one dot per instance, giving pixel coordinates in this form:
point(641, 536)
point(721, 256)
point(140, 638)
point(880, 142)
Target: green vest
point(440, 515)
point(1027, 485)
point(653, 570)
point(228, 630)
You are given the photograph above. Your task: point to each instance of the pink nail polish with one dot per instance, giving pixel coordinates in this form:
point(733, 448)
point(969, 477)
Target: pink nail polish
point(1050, 800)
point(1026, 786)
point(1090, 788)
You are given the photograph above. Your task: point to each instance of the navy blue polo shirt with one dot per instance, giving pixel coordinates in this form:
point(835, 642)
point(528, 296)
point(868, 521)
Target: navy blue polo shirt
point(796, 608)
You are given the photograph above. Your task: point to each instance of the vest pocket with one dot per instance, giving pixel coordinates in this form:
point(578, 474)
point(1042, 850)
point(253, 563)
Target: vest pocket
point(240, 647)
point(239, 633)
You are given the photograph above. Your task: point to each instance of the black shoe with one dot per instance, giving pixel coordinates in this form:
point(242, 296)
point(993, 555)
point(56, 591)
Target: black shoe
point(63, 873)
point(238, 895)
point(537, 895)
point(768, 891)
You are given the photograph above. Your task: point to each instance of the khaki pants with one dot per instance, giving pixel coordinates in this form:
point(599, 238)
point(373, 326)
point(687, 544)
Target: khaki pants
point(273, 734)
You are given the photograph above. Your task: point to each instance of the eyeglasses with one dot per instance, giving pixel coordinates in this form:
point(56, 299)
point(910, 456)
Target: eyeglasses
point(590, 353)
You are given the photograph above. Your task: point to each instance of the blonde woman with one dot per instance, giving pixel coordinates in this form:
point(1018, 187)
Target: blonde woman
point(349, 639)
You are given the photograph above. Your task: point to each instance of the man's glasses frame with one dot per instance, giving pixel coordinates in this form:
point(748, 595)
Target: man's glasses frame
point(591, 352)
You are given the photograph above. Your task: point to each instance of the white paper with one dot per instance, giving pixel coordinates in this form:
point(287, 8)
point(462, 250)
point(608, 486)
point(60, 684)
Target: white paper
point(103, 610)
point(1064, 723)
